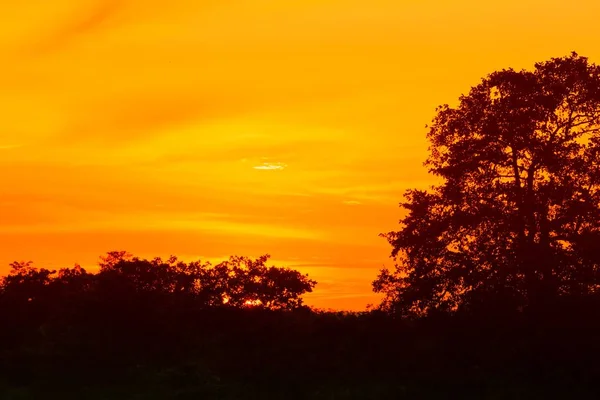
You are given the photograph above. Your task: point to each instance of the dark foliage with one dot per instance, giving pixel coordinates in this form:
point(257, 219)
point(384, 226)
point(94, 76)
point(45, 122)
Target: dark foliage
point(516, 222)
point(147, 330)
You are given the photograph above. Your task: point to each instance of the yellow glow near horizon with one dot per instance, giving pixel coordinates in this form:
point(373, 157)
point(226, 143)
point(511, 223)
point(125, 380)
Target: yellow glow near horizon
point(243, 126)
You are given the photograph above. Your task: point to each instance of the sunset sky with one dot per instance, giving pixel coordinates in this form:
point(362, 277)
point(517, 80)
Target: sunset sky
point(206, 128)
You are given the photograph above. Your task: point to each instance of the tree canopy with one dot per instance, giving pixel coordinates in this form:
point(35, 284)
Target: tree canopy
point(516, 218)
point(237, 282)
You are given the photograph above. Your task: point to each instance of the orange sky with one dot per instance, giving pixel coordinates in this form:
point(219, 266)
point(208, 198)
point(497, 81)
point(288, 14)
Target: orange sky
point(205, 128)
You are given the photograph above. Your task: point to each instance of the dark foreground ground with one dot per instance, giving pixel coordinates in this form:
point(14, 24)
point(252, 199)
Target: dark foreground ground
point(356, 391)
point(257, 354)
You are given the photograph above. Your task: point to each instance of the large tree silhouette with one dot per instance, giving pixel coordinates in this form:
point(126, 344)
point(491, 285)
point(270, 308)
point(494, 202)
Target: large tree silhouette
point(517, 215)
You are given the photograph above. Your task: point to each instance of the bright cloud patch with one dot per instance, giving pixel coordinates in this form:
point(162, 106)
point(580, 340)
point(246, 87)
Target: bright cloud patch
point(270, 166)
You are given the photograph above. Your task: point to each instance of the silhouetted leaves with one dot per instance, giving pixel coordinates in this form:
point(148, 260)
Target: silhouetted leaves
point(239, 282)
point(516, 221)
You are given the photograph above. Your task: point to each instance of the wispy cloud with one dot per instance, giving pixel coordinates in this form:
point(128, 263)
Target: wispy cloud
point(270, 166)
point(83, 21)
point(167, 222)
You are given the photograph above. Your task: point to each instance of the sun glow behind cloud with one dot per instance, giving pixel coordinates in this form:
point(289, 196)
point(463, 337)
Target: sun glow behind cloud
point(249, 127)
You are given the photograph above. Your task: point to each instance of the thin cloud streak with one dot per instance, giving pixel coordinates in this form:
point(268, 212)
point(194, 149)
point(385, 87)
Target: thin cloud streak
point(270, 166)
point(82, 22)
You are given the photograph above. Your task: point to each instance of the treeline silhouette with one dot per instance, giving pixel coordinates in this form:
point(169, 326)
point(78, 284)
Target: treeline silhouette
point(157, 329)
point(495, 291)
